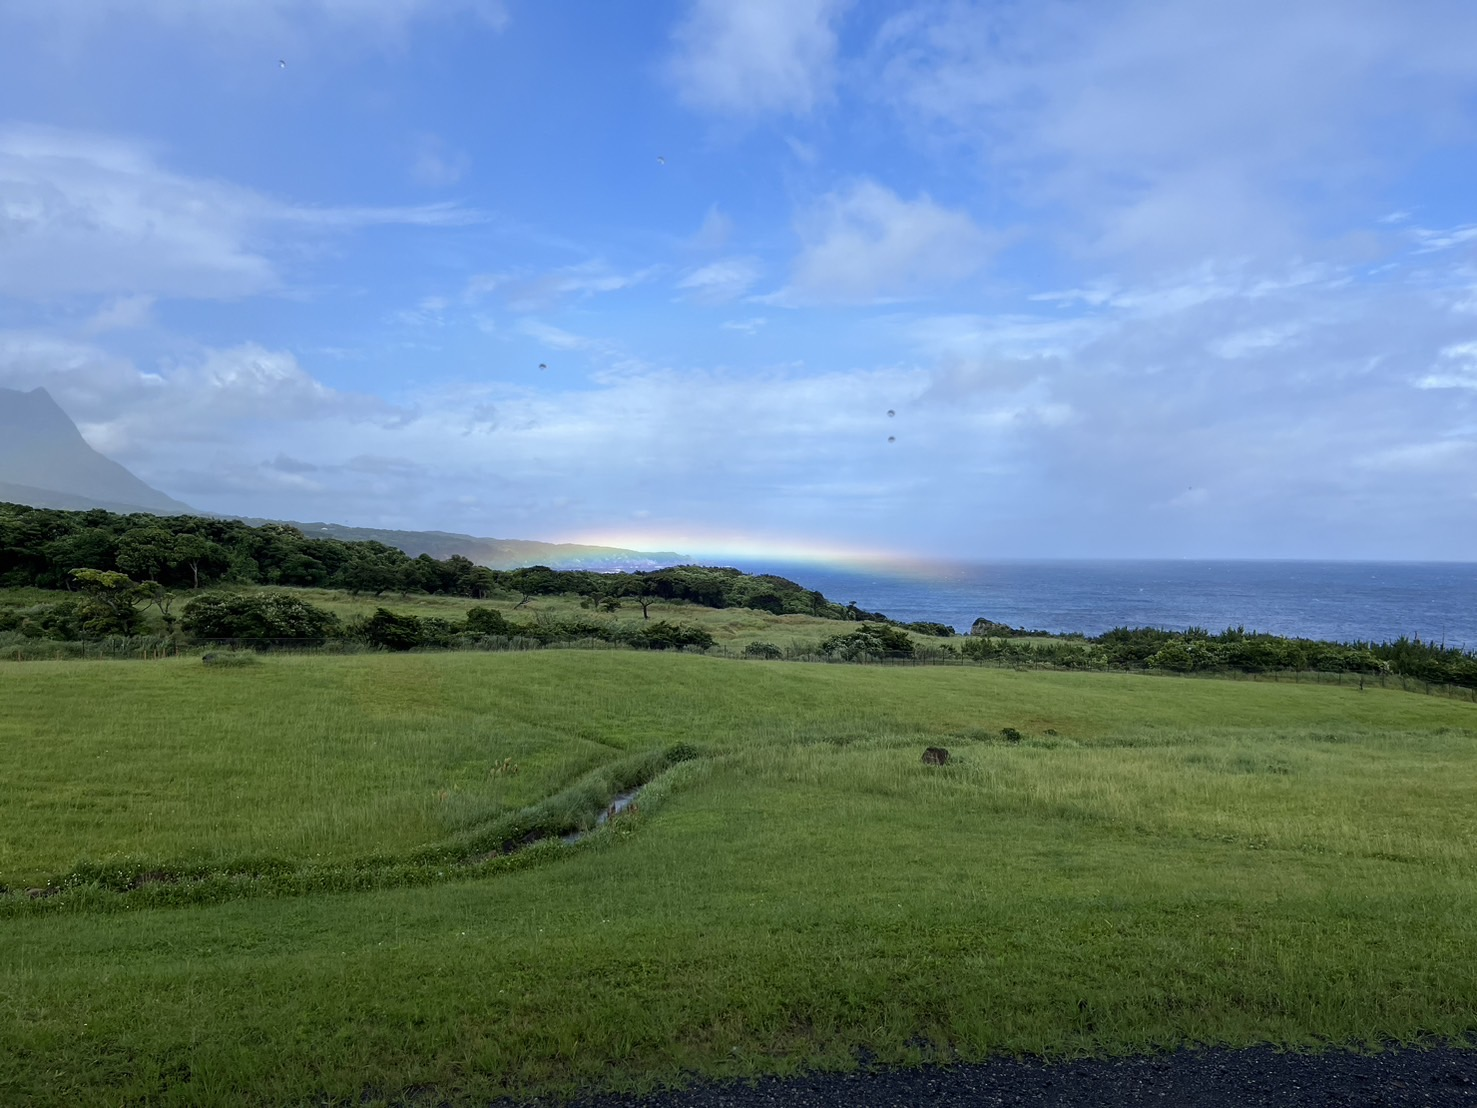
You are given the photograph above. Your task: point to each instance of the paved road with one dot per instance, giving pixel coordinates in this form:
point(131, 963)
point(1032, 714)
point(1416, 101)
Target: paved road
point(1438, 1077)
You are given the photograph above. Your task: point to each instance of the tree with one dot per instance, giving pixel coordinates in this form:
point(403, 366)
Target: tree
point(157, 596)
point(532, 581)
point(392, 630)
point(113, 601)
point(643, 589)
point(365, 574)
point(145, 551)
point(191, 551)
point(479, 582)
point(84, 549)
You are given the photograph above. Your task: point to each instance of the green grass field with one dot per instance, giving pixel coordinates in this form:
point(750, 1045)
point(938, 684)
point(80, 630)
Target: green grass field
point(730, 627)
point(1158, 862)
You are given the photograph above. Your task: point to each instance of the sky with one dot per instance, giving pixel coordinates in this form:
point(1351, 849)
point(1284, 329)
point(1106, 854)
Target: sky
point(953, 279)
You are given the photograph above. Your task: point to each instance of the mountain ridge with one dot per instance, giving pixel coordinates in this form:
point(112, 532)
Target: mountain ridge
point(41, 449)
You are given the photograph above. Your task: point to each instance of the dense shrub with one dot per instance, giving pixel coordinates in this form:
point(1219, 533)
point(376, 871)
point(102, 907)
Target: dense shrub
point(869, 641)
point(763, 650)
point(65, 621)
point(390, 630)
point(661, 635)
point(437, 632)
point(268, 615)
point(929, 627)
point(486, 621)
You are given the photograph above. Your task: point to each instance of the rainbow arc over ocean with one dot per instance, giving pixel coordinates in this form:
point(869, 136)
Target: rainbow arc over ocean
point(728, 548)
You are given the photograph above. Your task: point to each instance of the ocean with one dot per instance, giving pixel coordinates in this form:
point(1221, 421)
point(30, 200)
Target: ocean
point(1335, 601)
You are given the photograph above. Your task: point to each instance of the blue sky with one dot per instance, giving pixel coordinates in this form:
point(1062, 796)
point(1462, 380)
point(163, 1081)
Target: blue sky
point(1136, 279)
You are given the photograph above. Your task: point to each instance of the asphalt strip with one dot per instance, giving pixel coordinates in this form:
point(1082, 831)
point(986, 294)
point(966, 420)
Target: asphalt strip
point(1259, 1077)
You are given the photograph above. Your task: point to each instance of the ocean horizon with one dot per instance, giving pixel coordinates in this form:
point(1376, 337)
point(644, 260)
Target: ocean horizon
point(1338, 601)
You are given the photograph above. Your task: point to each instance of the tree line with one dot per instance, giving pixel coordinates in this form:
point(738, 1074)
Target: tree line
point(1194, 650)
point(45, 548)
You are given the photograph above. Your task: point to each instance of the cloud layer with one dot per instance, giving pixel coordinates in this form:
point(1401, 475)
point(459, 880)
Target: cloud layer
point(1132, 279)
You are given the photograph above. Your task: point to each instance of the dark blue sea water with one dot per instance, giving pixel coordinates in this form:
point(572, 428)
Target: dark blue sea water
point(1337, 601)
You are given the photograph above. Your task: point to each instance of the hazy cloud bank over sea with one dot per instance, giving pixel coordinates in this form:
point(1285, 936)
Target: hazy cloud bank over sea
point(1136, 280)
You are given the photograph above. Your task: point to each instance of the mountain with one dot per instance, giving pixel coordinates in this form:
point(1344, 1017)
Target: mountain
point(45, 462)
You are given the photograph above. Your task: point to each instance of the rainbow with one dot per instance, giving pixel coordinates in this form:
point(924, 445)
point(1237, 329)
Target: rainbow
point(720, 547)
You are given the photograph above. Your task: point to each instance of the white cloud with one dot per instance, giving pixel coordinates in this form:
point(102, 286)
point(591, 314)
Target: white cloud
point(721, 281)
point(1209, 281)
point(756, 57)
point(1157, 133)
point(122, 312)
point(293, 22)
point(195, 426)
point(85, 379)
point(866, 243)
point(535, 292)
point(714, 233)
point(435, 165)
point(1254, 341)
point(83, 213)
point(1455, 368)
point(1429, 241)
point(1437, 454)
point(429, 311)
point(748, 326)
point(556, 337)
point(212, 398)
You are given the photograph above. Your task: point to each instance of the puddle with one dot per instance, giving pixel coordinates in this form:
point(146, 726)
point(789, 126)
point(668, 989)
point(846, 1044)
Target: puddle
point(614, 808)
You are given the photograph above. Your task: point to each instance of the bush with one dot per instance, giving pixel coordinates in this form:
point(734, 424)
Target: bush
point(929, 627)
point(662, 635)
point(763, 650)
point(65, 621)
point(271, 615)
point(487, 621)
point(980, 649)
point(869, 641)
point(390, 630)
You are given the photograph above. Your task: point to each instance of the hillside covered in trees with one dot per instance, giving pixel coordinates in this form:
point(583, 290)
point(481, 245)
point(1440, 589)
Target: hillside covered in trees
point(43, 548)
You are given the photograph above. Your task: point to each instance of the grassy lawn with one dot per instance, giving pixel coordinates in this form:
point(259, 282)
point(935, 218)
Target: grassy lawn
point(1181, 861)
